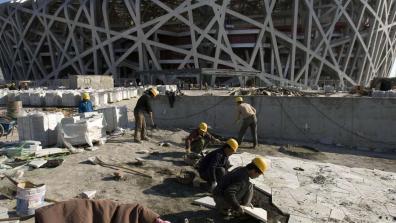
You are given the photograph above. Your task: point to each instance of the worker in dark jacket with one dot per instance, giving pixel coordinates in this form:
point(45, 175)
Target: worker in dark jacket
point(143, 107)
point(214, 166)
point(85, 104)
point(199, 138)
point(235, 189)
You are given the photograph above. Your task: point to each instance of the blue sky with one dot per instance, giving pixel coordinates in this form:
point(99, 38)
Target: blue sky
point(1, 1)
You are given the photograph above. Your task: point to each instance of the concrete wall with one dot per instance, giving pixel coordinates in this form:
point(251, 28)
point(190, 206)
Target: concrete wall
point(365, 123)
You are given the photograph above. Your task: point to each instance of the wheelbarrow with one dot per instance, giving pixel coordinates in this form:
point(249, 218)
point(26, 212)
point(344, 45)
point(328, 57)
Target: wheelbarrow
point(6, 126)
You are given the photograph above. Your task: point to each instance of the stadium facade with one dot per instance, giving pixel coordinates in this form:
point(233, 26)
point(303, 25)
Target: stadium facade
point(299, 42)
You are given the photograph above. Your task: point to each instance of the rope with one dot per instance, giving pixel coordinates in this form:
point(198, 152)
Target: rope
point(196, 113)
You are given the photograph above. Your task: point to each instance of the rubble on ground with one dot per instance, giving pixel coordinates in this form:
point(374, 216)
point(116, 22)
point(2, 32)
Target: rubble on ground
point(273, 91)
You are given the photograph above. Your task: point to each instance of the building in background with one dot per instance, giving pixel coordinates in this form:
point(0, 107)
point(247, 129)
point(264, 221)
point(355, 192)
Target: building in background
point(299, 42)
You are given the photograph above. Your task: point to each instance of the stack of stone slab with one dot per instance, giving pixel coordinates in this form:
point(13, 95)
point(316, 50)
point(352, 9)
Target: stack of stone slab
point(86, 129)
point(41, 127)
point(115, 117)
point(70, 98)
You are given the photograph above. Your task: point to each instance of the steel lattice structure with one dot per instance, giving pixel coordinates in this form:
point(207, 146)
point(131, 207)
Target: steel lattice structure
point(297, 42)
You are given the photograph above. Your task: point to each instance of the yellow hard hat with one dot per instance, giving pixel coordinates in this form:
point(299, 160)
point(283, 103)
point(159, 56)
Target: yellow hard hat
point(238, 99)
point(203, 127)
point(233, 144)
point(154, 92)
point(260, 163)
point(85, 96)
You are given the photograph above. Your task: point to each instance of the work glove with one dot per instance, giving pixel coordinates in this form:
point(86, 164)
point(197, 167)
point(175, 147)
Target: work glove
point(240, 211)
point(212, 187)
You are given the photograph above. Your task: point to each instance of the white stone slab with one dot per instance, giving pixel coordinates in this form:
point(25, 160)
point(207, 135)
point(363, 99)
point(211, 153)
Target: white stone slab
point(206, 201)
point(257, 213)
point(37, 163)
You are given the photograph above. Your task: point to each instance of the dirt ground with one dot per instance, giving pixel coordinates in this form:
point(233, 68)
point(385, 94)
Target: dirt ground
point(172, 200)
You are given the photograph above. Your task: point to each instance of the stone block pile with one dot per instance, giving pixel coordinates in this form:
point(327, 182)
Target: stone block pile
point(67, 98)
point(84, 129)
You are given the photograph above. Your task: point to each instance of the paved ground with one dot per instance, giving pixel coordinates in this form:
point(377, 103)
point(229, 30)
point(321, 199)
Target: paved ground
point(162, 193)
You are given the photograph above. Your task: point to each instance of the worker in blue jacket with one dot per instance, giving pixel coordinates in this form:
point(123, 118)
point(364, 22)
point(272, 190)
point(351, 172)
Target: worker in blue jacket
point(85, 104)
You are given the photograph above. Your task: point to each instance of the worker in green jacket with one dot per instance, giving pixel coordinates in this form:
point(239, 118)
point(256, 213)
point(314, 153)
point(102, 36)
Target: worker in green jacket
point(235, 189)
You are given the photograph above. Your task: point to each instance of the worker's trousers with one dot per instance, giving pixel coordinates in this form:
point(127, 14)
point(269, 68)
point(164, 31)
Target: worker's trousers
point(198, 145)
point(140, 125)
point(223, 204)
point(208, 177)
point(246, 123)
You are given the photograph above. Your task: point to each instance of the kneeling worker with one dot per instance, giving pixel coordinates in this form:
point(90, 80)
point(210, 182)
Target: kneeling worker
point(214, 166)
point(85, 104)
point(235, 189)
point(199, 138)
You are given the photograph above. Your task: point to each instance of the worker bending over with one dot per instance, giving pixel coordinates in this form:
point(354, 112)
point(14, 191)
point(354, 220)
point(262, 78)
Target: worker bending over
point(249, 119)
point(199, 138)
point(143, 106)
point(214, 165)
point(235, 189)
point(85, 104)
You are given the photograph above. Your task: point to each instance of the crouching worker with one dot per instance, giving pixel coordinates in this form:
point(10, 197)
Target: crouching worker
point(235, 189)
point(85, 104)
point(199, 138)
point(214, 166)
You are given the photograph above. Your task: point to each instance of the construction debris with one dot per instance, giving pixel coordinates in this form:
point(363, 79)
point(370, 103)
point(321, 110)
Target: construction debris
point(273, 91)
point(88, 194)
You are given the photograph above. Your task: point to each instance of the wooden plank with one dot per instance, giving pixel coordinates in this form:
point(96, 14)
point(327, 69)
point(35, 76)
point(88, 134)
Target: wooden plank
point(52, 151)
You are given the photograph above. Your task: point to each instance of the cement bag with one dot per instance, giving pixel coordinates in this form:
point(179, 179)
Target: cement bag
point(134, 92)
point(140, 91)
point(71, 99)
point(82, 132)
point(53, 99)
point(3, 95)
point(25, 98)
point(40, 127)
point(118, 95)
point(115, 117)
point(94, 98)
point(111, 97)
point(124, 94)
point(37, 99)
point(103, 98)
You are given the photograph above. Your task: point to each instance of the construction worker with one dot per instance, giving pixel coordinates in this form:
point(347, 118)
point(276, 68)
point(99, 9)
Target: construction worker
point(142, 107)
point(249, 119)
point(85, 104)
point(199, 138)
point(235, 189)
point(214, 165)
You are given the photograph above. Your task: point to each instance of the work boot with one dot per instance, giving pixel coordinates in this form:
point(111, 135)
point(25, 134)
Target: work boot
point(137, 141)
